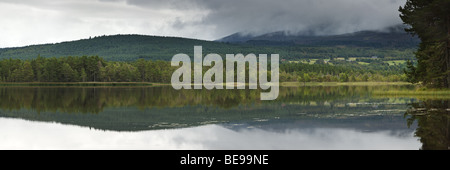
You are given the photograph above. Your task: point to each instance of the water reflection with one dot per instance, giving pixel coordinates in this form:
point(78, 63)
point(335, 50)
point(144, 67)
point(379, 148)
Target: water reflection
point(20, 134)
point(341, 117)
point(95, 100)
point(151, 108)
point(433, 119)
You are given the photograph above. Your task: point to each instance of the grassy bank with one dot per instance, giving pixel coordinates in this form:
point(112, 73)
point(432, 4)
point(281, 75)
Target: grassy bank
point(415, 93)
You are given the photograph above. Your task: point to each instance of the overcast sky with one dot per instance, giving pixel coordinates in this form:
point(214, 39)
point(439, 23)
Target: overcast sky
point(27, 22)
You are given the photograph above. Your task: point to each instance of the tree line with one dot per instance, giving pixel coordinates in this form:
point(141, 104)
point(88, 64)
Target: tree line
point(96, 69)
point(83, 69)
point(343, 72)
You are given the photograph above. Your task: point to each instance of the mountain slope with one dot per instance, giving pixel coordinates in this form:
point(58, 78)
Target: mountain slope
point(391, 37)
point(117, 47)
point(237, 38)
point(133, 47)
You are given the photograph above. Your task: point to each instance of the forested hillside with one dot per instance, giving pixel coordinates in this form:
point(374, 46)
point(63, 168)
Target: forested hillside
point(133, 47)
point(358, 57)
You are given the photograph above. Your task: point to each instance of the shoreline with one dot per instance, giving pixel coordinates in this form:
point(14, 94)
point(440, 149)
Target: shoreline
point(75, 84)
point(298, 84)
point(282, 84)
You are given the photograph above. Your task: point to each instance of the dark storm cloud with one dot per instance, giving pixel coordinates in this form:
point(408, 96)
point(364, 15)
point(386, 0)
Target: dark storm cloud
point(293, 16)
point(29, 22)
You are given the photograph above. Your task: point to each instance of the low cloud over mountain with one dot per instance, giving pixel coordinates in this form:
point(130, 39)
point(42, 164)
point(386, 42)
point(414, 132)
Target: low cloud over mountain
point(45, 21)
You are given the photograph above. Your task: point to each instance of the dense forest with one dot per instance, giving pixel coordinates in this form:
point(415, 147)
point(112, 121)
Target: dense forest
point(83, 69)
point(341, 72)
point(97, 69)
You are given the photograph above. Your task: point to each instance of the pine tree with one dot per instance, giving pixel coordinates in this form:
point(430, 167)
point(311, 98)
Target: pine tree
point(83, 75)
point(411, 72)
point(430, 21)
point(68, 73)
point(27, 72)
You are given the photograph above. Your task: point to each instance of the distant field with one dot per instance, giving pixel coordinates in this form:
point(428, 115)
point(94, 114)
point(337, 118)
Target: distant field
point(351, 59)
point(395, 62)
point(363, 63)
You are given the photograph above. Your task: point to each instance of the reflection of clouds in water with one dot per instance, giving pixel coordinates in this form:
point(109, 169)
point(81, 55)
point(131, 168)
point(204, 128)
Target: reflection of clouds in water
point(20, 134)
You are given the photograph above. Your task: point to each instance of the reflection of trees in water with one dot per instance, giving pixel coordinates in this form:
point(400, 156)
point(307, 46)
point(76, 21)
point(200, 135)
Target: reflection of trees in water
point(94, 100)
point(433, 120)
point(164, 107)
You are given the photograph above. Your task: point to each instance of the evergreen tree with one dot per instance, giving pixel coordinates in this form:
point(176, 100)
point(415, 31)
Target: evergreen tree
point(410, 72)
point(430, 21)
point(343, 77)
point(83, 75)
point(68, 73)
point(27, 72)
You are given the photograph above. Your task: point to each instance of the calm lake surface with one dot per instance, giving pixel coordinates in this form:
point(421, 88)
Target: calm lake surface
point(339, 117)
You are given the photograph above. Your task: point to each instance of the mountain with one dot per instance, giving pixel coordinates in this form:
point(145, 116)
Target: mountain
point(237, 38)
point(393, 37)
point(392, 43)
point(116, 47)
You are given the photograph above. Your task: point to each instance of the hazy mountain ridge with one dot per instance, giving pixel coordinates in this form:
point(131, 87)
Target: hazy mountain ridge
point(394, 36)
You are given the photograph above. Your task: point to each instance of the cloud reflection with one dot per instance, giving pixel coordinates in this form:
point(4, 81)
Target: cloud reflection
point(21, 134)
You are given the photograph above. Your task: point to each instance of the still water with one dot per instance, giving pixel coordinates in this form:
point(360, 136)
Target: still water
point(340, 117)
